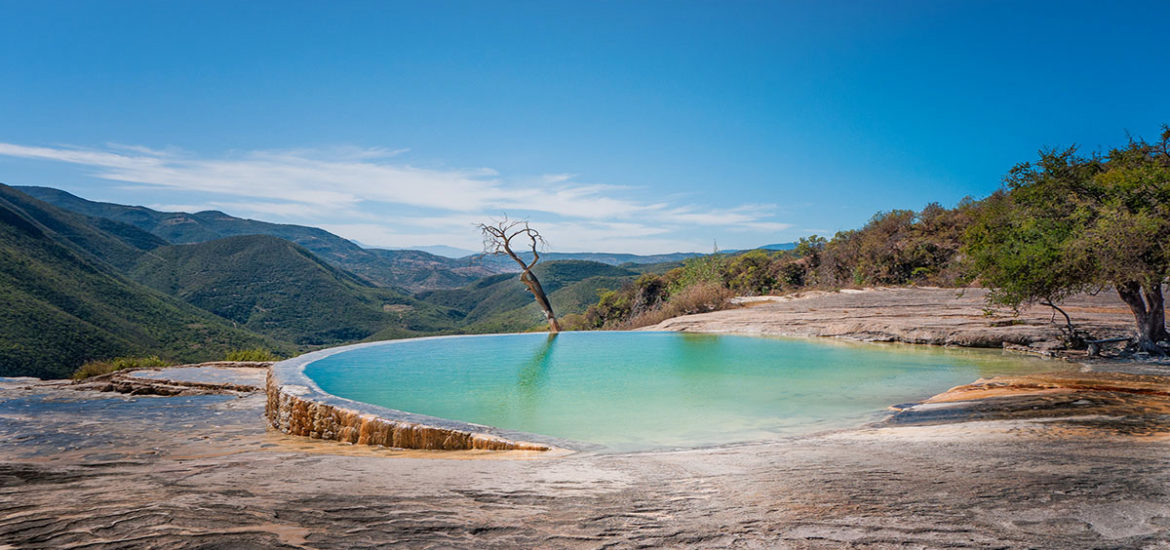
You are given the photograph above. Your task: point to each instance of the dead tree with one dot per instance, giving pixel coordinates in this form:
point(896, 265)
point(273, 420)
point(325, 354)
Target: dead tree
point(498, 239)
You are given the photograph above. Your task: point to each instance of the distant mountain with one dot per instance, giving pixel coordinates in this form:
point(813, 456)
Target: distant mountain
point(504, 263)
point(772, 247)
point(97, 238)
point(779, 246)
point(277, 288)
point(502, 303)
point(416, 270)
point(445, 251)
point(65, 302)
point(380, 267)
point(79, 287)
point(411, 269)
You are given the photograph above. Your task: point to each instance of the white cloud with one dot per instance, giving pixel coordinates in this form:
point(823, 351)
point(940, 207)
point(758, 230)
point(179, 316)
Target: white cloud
point(562, 236)
point(372, 195)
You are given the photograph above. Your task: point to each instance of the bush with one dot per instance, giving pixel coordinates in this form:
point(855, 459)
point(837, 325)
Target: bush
point(899, 247)
point(697, 298)
point(572, 321)
point(256, 354)
point(96, 368)
point(791, 275)
point(749, 273)
point(698, 270)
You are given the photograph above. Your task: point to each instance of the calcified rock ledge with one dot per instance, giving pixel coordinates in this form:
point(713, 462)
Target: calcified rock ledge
point(1053, 462)
point(295, 415)
point(87, 469)
point(936, 316)
point(1093, 403)
point(296, 406)
point(212, 378)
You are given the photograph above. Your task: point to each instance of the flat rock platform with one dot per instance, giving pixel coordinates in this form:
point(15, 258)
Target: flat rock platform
point(1077, 460)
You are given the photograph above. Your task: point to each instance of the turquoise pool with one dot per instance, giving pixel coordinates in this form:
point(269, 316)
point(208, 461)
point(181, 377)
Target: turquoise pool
point(648, 390)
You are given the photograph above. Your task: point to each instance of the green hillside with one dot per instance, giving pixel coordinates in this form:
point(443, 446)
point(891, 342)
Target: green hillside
point(412, 270)
point(106, 240)
point(417, 270)
point(64, 305)
point(85, 286)
point(501, 303)
point(274, 287)
point(504, 263)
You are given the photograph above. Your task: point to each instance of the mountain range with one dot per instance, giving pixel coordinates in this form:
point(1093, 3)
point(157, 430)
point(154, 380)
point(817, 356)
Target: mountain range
point(79, 285)
point(411, 270)
point(86, 280)
point(66, 300)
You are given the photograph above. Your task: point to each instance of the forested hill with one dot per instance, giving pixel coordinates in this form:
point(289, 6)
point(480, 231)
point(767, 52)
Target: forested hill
point(412, 270)
point(277, 288)
point(65, 302)
point(506, 264)
point(80, 288)
point(501, 303)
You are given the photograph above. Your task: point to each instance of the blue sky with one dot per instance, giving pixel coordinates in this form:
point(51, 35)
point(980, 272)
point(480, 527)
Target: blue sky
point(614, 126)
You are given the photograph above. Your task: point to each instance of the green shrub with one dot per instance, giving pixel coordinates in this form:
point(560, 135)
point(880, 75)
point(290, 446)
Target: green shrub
point(255, 354)
point(95, 368)
point(749, 273)
point(699, 270)
point(792, 274)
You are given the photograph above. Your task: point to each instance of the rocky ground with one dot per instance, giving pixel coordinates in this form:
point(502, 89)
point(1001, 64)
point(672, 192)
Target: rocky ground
point(938, 316)
point(1076, 460)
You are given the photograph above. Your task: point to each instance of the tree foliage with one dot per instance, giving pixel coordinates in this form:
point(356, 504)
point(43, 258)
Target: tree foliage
point(895, 248)
point(1068, 223)
point(1062, 225)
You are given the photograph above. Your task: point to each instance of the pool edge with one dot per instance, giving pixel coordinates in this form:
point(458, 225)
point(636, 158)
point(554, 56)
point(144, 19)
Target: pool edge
point(297, 406)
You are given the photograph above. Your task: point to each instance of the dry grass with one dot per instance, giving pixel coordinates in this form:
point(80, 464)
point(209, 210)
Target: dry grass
point(96, 368)
point(696, 298)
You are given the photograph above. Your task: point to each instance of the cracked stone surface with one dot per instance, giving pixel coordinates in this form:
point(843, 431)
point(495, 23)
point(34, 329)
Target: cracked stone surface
point(937, 316)
point(94, 470)
point(1068, 461)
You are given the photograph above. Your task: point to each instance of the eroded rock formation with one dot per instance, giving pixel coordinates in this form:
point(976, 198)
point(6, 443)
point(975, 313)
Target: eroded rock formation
point(293, 414)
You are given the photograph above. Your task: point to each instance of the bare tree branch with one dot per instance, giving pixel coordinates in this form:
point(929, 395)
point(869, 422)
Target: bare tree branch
point(497, 239)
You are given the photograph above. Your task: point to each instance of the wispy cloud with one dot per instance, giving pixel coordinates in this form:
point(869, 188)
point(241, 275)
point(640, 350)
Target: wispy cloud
point(361, 185)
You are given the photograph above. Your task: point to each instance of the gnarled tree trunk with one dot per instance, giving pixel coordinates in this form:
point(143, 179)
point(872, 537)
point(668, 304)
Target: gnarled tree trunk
point(1149, 311)
point(529, 279)
point(497, 239)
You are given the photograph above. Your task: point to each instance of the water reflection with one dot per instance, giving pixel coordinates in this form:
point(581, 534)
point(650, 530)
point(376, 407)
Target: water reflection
point(521, 402)
point(534, 373)
point(696, 353)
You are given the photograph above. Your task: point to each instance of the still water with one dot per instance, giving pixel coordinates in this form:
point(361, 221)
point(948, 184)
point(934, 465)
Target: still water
point(647, 390)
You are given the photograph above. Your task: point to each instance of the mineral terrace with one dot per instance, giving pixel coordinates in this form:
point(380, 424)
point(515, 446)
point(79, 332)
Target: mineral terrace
point(1076, 460)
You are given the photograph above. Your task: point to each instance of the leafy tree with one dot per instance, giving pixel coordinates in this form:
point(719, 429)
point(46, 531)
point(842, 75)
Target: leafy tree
point(750, 273)
point(1024, 256)
point(700, 269)
point(791, 275)
point(811, 247)
point(838, 260)
point(1068, 223)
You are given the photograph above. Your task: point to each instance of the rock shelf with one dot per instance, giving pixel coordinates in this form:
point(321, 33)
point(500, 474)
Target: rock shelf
point(296, 406)
point(1074, 460)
